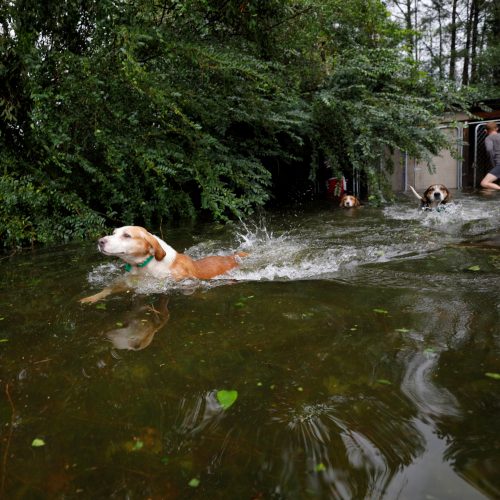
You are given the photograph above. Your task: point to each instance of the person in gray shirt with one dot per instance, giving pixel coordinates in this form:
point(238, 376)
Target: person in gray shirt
point(492, 144)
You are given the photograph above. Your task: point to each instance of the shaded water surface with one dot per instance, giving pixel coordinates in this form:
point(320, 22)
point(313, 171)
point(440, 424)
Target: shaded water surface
point(363, 345)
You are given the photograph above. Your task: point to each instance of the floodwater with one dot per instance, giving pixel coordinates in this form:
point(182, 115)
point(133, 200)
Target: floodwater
point(359, 350)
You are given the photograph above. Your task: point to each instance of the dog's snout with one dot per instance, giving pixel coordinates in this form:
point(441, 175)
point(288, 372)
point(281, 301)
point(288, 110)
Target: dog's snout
point(437, 195)
point(102, 241)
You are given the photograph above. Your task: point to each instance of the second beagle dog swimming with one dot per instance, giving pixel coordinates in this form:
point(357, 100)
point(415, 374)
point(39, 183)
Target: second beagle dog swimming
point(434, 196)
point(349, 201)
point(146, 254)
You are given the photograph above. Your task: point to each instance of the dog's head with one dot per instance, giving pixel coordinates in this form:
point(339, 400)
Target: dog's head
point(436, 194)
point(131, 243)
point(349, 201)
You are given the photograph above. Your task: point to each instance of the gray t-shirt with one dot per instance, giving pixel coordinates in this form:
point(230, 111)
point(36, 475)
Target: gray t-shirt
point(492, 143)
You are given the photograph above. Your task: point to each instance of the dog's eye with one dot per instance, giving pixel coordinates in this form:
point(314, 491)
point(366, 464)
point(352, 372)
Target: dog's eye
point(126, 235)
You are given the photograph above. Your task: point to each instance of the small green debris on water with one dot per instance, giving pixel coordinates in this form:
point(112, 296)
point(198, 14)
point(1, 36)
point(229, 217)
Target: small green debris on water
point(381, 311)
point(4, 340)
point(474, 268)
point(493, 375)
point(402, 330)
point(37, 443)
point(138, 445)
point(241, 301)
point(101, 306)
point(194, 483)
point(226, 398)
point(165, 460)
point(320, 467)
point(119, 323)
point(384, 381)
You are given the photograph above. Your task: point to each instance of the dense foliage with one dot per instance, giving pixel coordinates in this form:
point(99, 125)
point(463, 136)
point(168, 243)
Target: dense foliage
point(136, 111)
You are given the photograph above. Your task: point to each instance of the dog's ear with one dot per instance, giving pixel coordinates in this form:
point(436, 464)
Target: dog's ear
point(425, 196)
point(356, 202)
point(447, 198)
point(342, 198)
point(156, 248)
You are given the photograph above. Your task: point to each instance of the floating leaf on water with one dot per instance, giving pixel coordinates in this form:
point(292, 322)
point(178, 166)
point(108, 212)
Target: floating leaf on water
point(402, 330)
point(239, 304)
point(4, 340)
point(119, 323)
point(429, 349)
point(320, 467)
point(384, 381)
point(1, 318)
point(226, 398)
point(194, 483)
point(101, 305)
point(138, 445)
point(165, 460)
point(381, 311)
point(474, 268)
point(493, 375)
point(300, 389)
point(37, 443)
point(259, 384)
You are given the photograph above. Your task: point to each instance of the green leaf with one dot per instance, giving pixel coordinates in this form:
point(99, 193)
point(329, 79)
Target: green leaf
point(381, 311)
point(384, 381)
point(493, 375)
point(119, 323)
point(37, 443)
point(320, 467)
point(402, 330)
point(138, 445)
point(474, 268)
point(102, 306)
point(226, 398)
point(4, 340)
point(194, 483)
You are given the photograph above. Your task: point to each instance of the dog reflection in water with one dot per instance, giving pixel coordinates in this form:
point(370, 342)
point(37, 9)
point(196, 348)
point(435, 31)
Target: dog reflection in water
point(140, 326)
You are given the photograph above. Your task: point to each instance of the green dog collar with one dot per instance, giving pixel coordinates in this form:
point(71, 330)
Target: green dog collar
point(128, 267)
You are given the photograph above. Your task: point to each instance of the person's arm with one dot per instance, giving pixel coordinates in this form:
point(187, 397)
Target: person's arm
point(489, 150)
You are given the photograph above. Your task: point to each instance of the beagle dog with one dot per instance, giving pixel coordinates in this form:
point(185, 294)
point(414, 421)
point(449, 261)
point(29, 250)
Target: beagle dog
point(145, 254)
point(434, 196)
point(349, 201)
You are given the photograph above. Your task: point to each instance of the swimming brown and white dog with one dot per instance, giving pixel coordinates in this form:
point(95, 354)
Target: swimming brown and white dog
point(147, 255)
point(349, 201)
point(433, 197)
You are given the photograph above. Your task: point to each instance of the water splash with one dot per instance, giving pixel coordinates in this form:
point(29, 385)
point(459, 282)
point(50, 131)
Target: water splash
point(468, 216)
point(328, 244)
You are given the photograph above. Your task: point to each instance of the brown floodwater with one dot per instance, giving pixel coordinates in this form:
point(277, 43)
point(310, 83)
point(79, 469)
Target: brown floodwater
point(360, 349)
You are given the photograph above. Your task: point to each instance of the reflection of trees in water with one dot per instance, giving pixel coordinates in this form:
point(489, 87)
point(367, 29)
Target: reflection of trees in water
point(360, 439)
point(444, 385)
point(350, 447)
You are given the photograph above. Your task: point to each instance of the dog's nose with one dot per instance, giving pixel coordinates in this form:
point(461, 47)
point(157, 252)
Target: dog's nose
point(102, 241)
point(437, 196)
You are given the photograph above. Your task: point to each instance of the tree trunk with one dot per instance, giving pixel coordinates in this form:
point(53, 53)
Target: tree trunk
point(453, 40)
point(468, 29)
point(474, 41)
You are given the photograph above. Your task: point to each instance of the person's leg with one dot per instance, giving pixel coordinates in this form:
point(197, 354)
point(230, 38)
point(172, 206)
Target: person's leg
point(488, 182)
